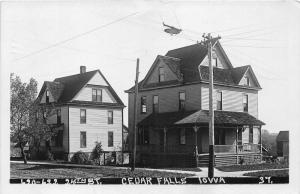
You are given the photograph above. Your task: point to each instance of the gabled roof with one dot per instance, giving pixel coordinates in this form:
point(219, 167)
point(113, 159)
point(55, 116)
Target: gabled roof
point(199, 116)
point(73, 84)
point(187, 60)
point(64, 89)
point(283, 136)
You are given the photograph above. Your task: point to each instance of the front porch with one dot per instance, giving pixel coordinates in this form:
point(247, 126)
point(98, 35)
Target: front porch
point(234, 143)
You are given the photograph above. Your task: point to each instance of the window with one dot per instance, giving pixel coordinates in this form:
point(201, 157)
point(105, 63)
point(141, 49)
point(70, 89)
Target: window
point(246, 81)
point(82, 139)
point(110, 117)
point(58, 116)
point(47, 96)
point(110, 142)
point(215, 61)
point(161, 76)
point(96, 95)
point(36, 116)
point(82, 116)
point(59, 138)
point(44, 114)
point(251, 134)
point(219, 100)
point(143, 136)
point(155, 104)
point(220, 137)
point(143, 104)
point(181, 100)
point(182, 136)
point(245, 103)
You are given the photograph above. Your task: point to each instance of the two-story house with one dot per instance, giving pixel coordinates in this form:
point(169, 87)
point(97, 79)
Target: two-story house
point(173, 110)
point(84, 109)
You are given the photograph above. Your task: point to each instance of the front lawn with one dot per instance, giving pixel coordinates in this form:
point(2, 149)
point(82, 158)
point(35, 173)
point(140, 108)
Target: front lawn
point(267, 173)
point(18, 170)
point(248, 167)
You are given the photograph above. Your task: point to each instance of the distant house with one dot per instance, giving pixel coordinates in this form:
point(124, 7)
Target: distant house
point(84, 109)
point(283, 144)
point(173, 110)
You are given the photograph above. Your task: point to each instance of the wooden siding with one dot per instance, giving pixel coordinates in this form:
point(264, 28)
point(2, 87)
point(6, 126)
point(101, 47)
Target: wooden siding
point(168, 100)
point(97, 79)
point(169, 74)
point(85, 94)
point(232, 99)
point(96, 128)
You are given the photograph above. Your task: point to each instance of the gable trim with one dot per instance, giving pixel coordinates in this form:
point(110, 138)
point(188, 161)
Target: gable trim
point(249, 68)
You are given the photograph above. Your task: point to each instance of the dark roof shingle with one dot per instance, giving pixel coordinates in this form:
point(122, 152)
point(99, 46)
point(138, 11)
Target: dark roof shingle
point(200, 116)
point(283, 136)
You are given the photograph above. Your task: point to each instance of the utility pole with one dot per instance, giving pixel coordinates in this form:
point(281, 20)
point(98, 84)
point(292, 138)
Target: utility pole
point(210, 42)
point(135, 113)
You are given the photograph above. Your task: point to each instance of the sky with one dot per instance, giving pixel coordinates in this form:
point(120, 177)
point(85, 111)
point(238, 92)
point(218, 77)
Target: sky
point(45, 40)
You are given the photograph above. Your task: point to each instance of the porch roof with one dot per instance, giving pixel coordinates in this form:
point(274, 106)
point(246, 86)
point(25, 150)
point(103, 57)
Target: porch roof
point(200, 117)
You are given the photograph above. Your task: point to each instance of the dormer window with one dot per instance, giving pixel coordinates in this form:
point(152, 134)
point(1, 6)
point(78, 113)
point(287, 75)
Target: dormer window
point(96, 95)
point(47, 96)
point(161, 76)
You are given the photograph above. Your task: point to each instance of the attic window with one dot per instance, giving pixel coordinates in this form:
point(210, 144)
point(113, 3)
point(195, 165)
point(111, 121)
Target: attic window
point(215, 61)
point(246, 81)
point(161, 76)
point(47, 96)
point(97, 95)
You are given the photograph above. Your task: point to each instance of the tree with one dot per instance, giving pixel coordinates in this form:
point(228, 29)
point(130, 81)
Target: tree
point(25, 128)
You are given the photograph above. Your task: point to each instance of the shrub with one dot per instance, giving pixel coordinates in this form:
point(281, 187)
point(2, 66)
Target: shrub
point(96, 153)
point(80, 158)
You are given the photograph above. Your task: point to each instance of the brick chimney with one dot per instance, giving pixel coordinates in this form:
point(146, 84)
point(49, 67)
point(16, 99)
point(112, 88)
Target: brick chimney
point(82, 69)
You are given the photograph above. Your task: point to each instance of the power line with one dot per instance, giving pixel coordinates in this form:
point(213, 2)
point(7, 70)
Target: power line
point(76, 36)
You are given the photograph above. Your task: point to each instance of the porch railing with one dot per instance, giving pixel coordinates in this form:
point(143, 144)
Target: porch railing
point(244, 148)
point(219, 149)
point(153, 148)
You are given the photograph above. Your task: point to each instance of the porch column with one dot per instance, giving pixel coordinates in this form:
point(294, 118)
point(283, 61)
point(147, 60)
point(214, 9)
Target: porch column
point(236, 144)
point(196, 143)
point(260, 143)
point(165, 138)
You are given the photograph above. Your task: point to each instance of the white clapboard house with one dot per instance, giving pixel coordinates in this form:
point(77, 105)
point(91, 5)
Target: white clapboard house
point(85, 109)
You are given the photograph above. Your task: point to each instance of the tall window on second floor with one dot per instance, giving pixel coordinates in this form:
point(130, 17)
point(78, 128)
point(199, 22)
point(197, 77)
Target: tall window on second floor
point(110, 117)
point(219, 100)
point(181, 101)
point(155, 104)
point(47, 96)
point(96, 95)
point(245, 103)
point(143, 104)
point(161, 76)
point(82, 116)
point(58, 116)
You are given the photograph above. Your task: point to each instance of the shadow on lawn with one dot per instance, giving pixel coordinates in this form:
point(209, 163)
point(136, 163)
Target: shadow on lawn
point(43, 167)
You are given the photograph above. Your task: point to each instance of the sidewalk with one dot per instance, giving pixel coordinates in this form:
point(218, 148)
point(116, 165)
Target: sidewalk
point(203, 173)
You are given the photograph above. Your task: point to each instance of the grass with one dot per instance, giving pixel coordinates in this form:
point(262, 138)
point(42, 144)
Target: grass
point(276, 173)
point(51, 171)
point(248, 167)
